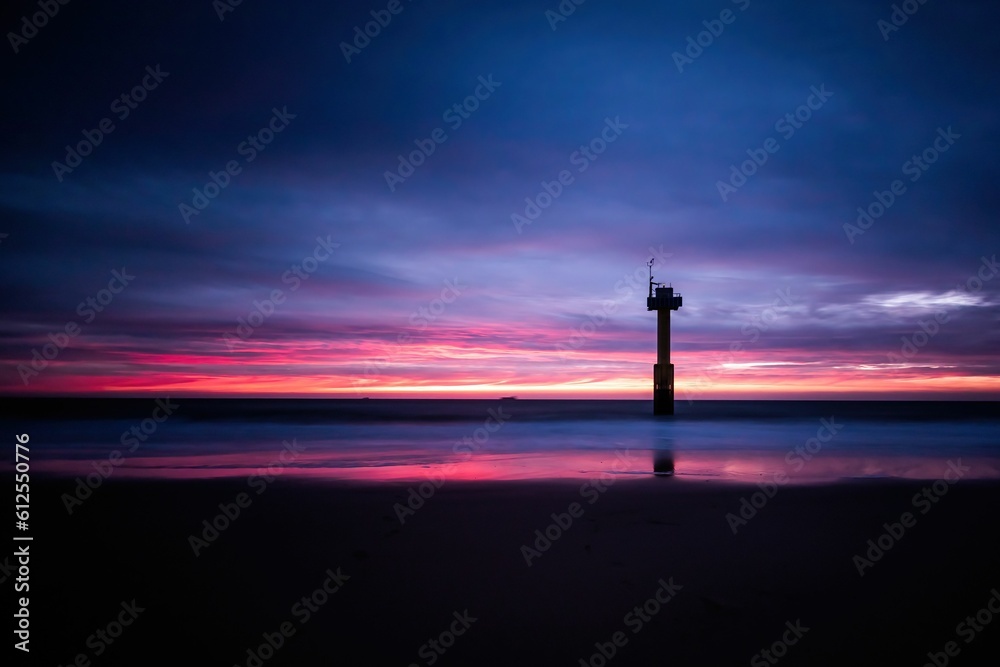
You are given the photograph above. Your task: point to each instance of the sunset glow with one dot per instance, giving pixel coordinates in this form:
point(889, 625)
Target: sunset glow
point(346, 258)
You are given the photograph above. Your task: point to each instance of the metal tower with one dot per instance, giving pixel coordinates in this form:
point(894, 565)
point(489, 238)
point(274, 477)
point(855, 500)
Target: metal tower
point(663, 301)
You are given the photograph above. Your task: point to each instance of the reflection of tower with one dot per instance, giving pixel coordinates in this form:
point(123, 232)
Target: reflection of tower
point(663, 301)
point(663, 462)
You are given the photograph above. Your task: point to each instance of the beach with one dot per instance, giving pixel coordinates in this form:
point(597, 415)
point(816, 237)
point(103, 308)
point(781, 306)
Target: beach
point(314, 572)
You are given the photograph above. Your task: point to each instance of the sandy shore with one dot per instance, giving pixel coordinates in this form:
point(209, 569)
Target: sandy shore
point(646, 571)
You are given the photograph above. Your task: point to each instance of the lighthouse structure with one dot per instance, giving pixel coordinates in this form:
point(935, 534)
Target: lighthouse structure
point(663, 301)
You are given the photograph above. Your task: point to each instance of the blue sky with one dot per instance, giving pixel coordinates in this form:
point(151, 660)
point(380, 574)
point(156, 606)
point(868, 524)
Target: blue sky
point(353, 326)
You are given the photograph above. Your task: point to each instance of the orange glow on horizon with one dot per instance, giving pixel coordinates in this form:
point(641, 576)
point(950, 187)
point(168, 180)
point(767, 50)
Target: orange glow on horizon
point(530, 369)
point(623, 388)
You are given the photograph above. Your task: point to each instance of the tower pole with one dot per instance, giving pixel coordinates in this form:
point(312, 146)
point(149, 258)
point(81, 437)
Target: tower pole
point(663, 371)
point(663, 301)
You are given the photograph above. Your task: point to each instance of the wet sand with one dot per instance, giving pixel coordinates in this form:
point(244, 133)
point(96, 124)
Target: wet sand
point(393, 587)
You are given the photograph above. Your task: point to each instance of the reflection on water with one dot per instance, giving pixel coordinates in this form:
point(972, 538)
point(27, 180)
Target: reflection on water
point(410, 465)
point(663, 462)
point(537, 440)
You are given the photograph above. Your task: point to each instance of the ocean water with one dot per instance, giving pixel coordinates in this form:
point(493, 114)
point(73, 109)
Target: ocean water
point(372, 440)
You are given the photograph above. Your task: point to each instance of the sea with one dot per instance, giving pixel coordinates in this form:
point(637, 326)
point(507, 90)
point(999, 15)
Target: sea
point(411, 441)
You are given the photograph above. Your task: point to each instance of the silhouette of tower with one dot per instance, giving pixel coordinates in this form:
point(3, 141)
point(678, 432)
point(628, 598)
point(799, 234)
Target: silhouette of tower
point(663, 301)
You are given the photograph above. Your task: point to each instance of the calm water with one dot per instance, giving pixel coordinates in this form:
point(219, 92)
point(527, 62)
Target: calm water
point(372, 440)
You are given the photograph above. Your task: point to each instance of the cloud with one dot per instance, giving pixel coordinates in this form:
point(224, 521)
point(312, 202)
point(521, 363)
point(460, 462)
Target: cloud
point(528, 293)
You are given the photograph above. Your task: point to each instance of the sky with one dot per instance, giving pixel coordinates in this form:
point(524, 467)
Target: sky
point(262, 199)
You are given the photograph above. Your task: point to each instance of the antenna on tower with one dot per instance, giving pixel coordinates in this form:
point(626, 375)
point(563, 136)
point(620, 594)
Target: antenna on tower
point(652, 283)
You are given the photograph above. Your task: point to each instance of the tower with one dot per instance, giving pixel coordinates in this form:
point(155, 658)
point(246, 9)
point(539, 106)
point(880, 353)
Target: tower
point(663, 301)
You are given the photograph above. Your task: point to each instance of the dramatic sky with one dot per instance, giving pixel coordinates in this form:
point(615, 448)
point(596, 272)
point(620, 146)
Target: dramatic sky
point(422, 283)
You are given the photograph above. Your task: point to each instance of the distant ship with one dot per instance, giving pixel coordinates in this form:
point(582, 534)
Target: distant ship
point(508, 398)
